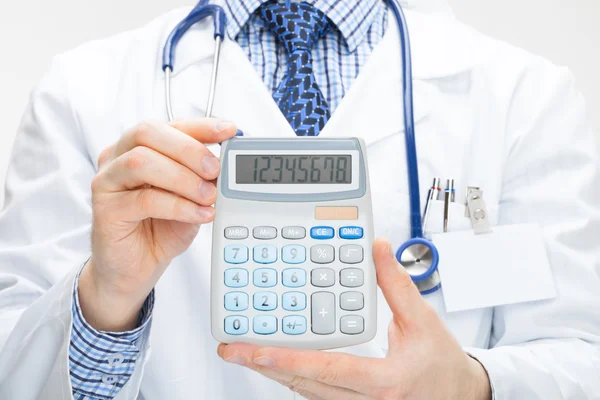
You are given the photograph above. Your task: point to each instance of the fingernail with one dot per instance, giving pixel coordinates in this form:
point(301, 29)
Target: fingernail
point(264, 361)
point(207, 189)
point(205, 212)
point(220, 126)
point(210, 164)
point(235, 359)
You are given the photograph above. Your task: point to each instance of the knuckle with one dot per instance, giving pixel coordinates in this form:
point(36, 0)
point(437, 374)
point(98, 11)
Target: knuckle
point(146, 198)
point(136, 158)
point(142, 132)
point(96, 183)
point(178, 207)
point(298, 383)
point(192, 150)
point(329, 374)
point(104, 155)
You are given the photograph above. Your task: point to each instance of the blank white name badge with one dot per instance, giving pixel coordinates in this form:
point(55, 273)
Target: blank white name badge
point(507, 266)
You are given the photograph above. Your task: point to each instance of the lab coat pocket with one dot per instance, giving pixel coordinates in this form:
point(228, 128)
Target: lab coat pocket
point(505, 266)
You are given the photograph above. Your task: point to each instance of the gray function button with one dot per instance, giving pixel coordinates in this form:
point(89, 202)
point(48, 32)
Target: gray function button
point(293, 232)
point(264, 232)
point(352, 325)
point(351, 277)
point(236, 232)
point(323, 313)
point(322, 254)
point(322, 277)
point(351, 254)
point(352, 301)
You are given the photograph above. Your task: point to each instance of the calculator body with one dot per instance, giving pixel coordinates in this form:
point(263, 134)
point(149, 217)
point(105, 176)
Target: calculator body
point(292, 257)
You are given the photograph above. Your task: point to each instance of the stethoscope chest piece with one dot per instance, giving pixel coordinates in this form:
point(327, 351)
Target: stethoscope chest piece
point(420, 258)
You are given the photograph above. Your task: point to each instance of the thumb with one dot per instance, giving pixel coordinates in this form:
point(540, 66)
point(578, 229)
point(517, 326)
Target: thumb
point(399, 291)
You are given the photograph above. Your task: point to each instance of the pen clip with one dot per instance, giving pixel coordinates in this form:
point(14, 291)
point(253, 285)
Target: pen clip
point(477, 210)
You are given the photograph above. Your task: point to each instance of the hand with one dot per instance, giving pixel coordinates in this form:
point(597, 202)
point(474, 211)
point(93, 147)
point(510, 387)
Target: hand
point(154, 188)
point(424, 361)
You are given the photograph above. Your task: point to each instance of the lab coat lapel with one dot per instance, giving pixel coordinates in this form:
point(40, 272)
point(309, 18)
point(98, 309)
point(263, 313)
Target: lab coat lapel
point(241, 95)
point(373, 108)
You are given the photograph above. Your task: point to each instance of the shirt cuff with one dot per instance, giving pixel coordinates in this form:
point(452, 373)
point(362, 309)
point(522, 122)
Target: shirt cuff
point(101, 362)
point(478, 354)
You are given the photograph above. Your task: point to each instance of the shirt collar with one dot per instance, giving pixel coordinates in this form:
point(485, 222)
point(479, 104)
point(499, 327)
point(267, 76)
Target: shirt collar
point(352, 18)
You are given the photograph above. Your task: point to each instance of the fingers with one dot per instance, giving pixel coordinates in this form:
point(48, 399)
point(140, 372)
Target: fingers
point(309, 388)
point(400, 292)
point(335, 369)
point(250, 356)
point(157, 203)
point(143, 166)
point(183, 141)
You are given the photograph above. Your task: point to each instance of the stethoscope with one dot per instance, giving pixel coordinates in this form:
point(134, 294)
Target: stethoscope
point(417, 255)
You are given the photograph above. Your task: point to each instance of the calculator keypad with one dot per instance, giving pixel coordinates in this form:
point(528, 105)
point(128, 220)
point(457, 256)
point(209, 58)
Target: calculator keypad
point(293, 254)
point(322, 277)
point(236, 325)
point(294, 325)
point(324, 305)
point(322, 254)
point(265, 301)
point(293, 301)
point(352, 324)
point(236, 301)
point(293, 232)
point(351, 277)
point(293, 277)
point(236, 254)
point(264, 232)
point(236, 277)
point(265, 254)
point(323, 313)
point(264, 277)
point(265, 325)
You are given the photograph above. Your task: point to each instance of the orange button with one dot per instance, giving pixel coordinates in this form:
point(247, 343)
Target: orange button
point(336, 213)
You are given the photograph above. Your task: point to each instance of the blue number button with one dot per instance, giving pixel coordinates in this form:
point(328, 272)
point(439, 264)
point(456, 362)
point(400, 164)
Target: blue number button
point(321, 232)
point(294, 277)
point(265, 277)
point(351, 232)
point(236, 254)
point(236, 325)
point(265, 301)
point(293, 254)
point(265, 325)
point(294, 325)
point(266, 254)
point(236, 301)
point(293, 301)
point(236, 277)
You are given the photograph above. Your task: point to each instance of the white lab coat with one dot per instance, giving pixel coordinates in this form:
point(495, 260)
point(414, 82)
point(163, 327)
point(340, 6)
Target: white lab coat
point(487, 114)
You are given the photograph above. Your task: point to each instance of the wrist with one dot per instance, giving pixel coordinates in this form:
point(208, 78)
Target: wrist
point(104, 310)
point(478, 383)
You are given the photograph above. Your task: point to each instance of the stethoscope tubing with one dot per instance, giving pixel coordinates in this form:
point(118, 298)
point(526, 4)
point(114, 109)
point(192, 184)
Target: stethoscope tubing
point(203, 10)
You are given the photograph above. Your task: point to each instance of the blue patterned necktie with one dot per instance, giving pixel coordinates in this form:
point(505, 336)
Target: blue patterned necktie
point(298, 26)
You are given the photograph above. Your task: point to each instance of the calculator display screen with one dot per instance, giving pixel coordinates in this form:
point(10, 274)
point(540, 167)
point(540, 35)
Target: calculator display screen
point(292, 169)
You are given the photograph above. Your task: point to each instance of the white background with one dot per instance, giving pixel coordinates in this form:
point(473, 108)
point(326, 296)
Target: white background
point(32, 31)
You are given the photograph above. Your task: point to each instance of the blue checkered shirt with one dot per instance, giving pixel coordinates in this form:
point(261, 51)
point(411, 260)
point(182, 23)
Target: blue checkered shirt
point(101, 363)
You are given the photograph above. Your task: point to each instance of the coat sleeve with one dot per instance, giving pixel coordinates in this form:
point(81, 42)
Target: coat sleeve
point(551, 349)
point(44, 241)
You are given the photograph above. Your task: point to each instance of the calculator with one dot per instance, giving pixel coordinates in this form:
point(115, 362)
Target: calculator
point(292, 261)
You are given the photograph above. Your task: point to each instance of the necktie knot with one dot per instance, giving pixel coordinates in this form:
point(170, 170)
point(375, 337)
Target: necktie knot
point(298, 26)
